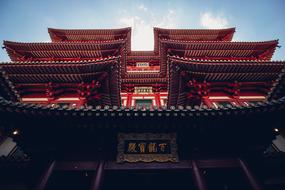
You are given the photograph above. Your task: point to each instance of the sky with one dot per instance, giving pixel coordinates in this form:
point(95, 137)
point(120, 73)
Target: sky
point(255, 20)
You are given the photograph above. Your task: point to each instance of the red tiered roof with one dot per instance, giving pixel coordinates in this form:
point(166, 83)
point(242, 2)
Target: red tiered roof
point(221, 49)
point(56, 50)
point(149, 74)
point(142, 56)
point(72, 35)
point(216, 50)
point(227, 70)
point(192, 35)
point(183, 71)
point(103, 72)
point(208, 58)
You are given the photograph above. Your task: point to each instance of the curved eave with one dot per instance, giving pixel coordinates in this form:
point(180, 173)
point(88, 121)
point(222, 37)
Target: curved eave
point(197, 34)
point(223, 49)
point(229, 70)
point(195, 31)
point(7, 89)
point(59, 34)
point(68, 72)
point(183, 70)
point(89, 35)
point(23, 51)
point(58, 45)
point(86, 61)
point(8, 107)
point(278, 89)
point(220, 43)
point(228, 61)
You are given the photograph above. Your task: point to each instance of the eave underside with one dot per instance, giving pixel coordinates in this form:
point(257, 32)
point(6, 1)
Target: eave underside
point(73, 50)
point(183, 71)
point(91, 35)
point(104, 74)
point(192, 35)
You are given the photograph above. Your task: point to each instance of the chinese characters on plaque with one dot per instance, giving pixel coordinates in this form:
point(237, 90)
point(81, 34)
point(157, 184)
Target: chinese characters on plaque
point(147, 147)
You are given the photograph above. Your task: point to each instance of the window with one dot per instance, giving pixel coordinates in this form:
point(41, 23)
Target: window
point(143, 103)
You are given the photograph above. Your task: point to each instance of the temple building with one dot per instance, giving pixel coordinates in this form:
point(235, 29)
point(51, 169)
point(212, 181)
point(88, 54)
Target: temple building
point(86, 112)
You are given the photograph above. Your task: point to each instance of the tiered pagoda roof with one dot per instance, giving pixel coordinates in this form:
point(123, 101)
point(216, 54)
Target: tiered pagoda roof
point(85, 55)
point(278, 89)
point(192, 35)
point(183, 70)
point(80, 91)
point(221, 50)
point(7, 89)
point(100, 73)
point(216, 50)
point(94, 35)
point(62, 50)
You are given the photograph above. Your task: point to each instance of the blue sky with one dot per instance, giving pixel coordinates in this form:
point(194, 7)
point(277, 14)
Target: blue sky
point(255, 20)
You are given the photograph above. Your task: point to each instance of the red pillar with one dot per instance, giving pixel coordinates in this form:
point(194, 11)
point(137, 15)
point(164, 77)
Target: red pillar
point(198, 177)
point(129, 100)
point(157, 99)
point(44, 179)
point(250, 177)
point(98, 177)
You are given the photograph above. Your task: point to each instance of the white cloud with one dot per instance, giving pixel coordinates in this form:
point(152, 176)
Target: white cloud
point(168, 21)
point(142, 27)
point(208, 20)
point(142, 7)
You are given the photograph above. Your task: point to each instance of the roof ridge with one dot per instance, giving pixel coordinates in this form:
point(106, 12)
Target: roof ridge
point(200, 29)
point(264, 107)
point(89, 29)
point(64, 61)
point(221, 42)
point(66, 42)
point(225, 60)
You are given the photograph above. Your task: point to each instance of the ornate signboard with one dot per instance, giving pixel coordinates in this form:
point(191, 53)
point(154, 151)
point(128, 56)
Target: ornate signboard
point(142, 64)
point(143, 90)
point(147, 147)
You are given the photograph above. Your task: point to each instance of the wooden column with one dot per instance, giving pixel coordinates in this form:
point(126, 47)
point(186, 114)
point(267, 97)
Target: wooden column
point(157, 99)
point(198, 177)
point(129, 100)
point(44, 178)
point(250, 177)
point(98, 177)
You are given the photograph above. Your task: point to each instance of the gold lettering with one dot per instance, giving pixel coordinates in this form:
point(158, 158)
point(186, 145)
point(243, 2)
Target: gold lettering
point(142, 147)
point(132, 147)
point(152, 148)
